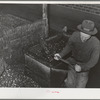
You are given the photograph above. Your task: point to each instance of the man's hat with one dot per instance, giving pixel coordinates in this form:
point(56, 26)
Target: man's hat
point(87, 27)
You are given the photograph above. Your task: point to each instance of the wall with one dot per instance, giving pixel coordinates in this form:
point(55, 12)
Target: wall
point(72, 15)
point(26, 11)
point(89, 8)
point(59, 15)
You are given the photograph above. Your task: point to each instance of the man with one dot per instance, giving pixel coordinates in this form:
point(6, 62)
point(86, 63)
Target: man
point(85, 49)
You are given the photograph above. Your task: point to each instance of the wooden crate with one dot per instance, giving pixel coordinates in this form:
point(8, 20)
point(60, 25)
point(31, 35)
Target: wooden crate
point(39, 68)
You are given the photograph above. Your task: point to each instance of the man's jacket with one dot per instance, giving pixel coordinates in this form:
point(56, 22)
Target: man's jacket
point(86, 54)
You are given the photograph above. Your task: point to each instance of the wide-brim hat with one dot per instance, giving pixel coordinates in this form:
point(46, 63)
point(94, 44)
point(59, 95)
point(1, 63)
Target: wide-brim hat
point(88, 27)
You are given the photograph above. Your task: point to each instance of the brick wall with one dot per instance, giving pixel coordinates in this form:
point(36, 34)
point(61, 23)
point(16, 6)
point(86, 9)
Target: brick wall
point(89, 8)
point(73, 15)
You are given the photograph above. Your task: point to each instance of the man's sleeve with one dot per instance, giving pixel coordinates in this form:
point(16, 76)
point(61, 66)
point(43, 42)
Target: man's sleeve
point(65, 51)
point(93, 61)
point(67, 48)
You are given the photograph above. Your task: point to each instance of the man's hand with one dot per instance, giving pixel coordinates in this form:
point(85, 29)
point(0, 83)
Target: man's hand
point(57, 56)
point(64, 29)
point(77, 68)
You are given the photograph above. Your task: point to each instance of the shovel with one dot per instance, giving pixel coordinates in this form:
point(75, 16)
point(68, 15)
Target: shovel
point(65, 61)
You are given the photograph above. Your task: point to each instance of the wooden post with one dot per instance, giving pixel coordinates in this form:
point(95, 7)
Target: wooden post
point(45, 19)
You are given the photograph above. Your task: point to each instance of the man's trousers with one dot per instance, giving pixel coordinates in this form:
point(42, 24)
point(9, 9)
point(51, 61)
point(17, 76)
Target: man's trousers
point(76, 80)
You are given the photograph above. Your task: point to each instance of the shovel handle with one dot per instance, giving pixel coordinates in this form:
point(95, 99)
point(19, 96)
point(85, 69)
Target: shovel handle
point(65, 61)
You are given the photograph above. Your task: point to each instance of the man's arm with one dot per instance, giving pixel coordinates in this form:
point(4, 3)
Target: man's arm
point(65, 51)
point(67, 48)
